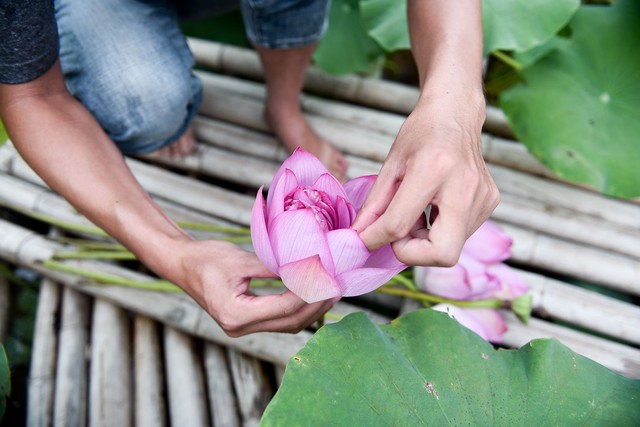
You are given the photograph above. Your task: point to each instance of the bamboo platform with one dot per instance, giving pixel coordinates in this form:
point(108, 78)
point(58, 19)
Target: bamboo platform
point(109, 355)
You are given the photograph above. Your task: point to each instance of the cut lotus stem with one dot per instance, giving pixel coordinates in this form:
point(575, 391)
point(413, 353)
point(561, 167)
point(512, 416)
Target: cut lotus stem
point(103, 278)
point(433, 299)
point(214, 227)
point(83, 254)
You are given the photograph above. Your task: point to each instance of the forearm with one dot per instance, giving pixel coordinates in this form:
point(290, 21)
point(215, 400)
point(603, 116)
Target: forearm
point(64, 144)
point(446, 39)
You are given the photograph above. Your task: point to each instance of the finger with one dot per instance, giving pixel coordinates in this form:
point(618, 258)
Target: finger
point(377, 201)
point(403, 211)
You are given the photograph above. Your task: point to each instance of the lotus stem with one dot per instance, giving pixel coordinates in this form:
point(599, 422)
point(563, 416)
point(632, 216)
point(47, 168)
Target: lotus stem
point(110, 279)
point(92, 254)
point(507, 60)
point(213, 227)
point(433, 299)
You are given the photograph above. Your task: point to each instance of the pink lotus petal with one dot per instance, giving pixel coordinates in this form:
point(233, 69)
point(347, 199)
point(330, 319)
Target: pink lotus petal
point(363, 280)
point(476, 275)
point(285, 185)
point(308, 279)
point(296, 235)
point(489, 244)
point(447, 282)
point(330, 185)
point(358, 189)
point(259, 235)
point(347, 249)
point(384, 258)
point(346, 213)
point(511, 284)
point(306, 167)
point(483, 321)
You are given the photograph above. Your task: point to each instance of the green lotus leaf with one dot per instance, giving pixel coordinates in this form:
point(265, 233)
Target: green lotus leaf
point(5, 381)
point(519, 25)
point(426, 369)
point(578, 108)
point(386, 23)
point(346, 47)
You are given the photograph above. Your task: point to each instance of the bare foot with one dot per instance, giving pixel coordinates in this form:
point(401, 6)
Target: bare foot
point(294, 131)
point(183, 147)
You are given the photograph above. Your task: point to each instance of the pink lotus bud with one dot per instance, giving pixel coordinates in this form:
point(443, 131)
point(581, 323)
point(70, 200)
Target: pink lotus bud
point(485, 322)
point(302, 233)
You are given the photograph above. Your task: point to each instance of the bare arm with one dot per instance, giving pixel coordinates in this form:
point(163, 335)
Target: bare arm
point(436, 156)
point(64, 144)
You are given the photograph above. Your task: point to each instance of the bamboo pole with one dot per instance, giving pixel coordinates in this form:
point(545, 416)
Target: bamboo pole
point(588, 263)
point(70, 406)
point(222, 398)
point(618, 357)
point(42, 368)
point(185, 382)
point(149, 392)
point(110, 400)
point(252, 387)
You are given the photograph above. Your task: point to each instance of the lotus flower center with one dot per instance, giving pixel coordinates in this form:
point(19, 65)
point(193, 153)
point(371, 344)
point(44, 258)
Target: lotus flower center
point(318, 201)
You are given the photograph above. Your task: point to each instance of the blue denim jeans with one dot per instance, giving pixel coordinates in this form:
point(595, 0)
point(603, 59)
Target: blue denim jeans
point(128, 62)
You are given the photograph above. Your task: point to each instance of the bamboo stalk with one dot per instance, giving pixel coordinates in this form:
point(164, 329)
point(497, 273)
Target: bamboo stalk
point(150, 407)
point(591, 264)
point(554, 299)
point(70, 406)
point(185, 382)
point(222, 399)
point(42, 368)
point(253, 390)
point(110, 400)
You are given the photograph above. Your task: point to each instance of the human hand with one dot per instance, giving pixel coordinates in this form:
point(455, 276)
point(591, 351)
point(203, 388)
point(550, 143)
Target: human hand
point(217, 274)
point(435, 159)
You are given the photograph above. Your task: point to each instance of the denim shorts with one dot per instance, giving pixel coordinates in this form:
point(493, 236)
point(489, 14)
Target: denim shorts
point(128, 62)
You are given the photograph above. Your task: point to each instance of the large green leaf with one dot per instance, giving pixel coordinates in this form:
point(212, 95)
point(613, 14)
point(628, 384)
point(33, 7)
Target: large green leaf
point(346, 47)
point(5, 381)
point(386, 23)
point(519, 25)
point(426, 369)
point(578, 109)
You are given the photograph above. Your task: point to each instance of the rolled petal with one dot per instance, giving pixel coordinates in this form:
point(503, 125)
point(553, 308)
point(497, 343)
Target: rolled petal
point(297, 235)
point(445, 282)
point(483, 321)
point(345, 212)
point(489, 244)
point(358, 189)
point(330, 185)
point(259, 235)
point(476, 276)
point(347, 249)
point(308, 279)
point(275, 199)
point(363, 280)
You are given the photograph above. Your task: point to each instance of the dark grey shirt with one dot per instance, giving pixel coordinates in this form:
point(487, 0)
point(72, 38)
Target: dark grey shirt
point(28, 39)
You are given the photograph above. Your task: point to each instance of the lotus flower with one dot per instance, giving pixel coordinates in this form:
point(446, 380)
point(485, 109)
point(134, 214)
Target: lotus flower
point(479, 274)
point(301, 233)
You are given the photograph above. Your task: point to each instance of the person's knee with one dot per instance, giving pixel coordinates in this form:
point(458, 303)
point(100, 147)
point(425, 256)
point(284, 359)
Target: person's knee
point(147, 110)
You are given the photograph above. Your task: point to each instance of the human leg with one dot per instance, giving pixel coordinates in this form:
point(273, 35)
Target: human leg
point(285, 34)
point(129, 64)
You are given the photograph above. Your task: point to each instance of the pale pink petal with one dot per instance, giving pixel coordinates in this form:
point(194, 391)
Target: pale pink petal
point(483, 321)
point(304, 165)
point(489, 244)
point(275, 199)
point(384, 257)
point(512, 285)
point(346, 213)
point(363, 280)
point(296, 235)
point(259, 235)
point(347, 249)
point(308, 279)
point(447, 282)
point(476, 276)
point(330, 185)
point(358, 189)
